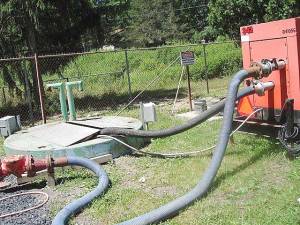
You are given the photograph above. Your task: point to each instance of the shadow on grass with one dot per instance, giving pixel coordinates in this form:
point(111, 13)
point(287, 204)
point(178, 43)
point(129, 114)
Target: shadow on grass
point(114, 100)
point(271, 147)
point(106, 101)
point(21, 109)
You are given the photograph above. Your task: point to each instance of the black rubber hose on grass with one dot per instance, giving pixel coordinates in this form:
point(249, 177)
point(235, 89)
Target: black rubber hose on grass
point(218, 107)
point(174, 207)
point(64, 215)
point(156, 215)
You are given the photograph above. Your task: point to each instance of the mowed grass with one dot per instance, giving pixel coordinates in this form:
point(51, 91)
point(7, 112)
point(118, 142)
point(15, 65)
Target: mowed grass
point(256, 184)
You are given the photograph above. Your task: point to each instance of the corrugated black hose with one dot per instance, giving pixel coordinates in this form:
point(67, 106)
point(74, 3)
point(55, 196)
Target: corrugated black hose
point(64, 215)
point(218, 107)
point(174, 207)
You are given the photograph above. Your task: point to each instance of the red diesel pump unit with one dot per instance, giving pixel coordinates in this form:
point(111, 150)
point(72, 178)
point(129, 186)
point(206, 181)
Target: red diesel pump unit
point(267, 42)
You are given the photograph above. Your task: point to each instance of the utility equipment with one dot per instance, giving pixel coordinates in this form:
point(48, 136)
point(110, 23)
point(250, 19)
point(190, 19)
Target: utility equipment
point(271, 42)
point(9, 125)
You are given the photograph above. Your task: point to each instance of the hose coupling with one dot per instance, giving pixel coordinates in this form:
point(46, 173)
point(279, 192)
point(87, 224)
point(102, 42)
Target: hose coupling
point(261, 87)
point(266, 66)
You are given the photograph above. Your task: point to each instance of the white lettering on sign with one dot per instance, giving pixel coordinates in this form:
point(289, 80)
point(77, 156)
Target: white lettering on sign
point(187, 58)
point(245, 38)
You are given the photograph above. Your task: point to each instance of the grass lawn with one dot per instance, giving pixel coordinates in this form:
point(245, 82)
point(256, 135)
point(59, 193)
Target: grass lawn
point(256, 183)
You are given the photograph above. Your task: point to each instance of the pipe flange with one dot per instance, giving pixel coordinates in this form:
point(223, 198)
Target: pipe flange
point(30, 166)
point(50, 164)
point(265, 68)
point(258, 71)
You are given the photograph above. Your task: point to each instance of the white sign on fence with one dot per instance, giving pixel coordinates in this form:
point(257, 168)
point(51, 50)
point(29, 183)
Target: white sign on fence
point(187, 58)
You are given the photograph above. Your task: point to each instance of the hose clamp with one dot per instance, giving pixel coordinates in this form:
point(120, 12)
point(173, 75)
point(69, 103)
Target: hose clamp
point(50, 164)
point(258, 88)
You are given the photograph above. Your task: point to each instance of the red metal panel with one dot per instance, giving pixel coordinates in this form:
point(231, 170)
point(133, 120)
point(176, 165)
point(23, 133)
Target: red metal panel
point(269, 49)
point(271, 30)
point(280, 40)
point(293, 68)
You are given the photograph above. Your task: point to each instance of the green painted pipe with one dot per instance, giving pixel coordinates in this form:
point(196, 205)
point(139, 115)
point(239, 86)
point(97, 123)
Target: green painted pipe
point(70, 96)
point(62, 98)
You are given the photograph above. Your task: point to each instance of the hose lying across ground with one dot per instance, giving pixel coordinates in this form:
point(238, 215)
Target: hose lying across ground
point(63, 216)
point(218, 107)
point(172, 208)
point(46, 198)
point(177, 154)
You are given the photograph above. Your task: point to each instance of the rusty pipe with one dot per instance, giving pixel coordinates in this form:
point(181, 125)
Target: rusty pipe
point(265, 67)
point(21, 164)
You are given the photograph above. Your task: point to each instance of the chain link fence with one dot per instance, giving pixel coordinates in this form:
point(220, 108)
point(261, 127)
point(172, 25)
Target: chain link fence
point(112, 79)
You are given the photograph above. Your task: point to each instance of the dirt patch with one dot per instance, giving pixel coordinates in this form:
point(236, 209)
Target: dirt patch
point(134, 178)
point(85, 219)
point(129, 171)
point(164, 191)
point(275, 173)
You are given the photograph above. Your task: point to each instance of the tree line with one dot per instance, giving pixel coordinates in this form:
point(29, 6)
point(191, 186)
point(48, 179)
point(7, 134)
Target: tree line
point(29, 26)
point(56, 26)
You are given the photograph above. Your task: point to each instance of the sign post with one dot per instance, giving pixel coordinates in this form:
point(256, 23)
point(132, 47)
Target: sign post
point(187, 59)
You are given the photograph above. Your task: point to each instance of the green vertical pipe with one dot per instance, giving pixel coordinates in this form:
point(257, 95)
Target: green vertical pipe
point(70, 96)
point(62, 98)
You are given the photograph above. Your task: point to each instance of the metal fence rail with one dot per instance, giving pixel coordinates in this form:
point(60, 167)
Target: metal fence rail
point(111, 79)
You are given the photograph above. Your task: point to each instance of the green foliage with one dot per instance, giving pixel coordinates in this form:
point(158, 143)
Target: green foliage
point(227, 16)
point(152, 22)
point(222, 60)
point(207, 34)
point(37, 26)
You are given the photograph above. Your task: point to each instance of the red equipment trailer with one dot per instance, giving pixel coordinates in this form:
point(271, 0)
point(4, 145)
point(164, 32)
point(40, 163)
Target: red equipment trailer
point(278, 40)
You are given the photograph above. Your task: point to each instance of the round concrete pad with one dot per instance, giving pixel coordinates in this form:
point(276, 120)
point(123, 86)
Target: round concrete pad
point(62, 139)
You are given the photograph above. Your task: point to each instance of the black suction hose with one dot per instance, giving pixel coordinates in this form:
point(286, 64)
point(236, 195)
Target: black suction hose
point(63, 216)
point(180, 128)
point(173, 207)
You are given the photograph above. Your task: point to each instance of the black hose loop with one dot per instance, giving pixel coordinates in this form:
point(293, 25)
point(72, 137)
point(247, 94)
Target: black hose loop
point(174, 207)
point(63, 216)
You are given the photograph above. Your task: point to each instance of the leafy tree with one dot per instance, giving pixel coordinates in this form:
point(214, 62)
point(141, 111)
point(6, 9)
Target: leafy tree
point(192, 16)
point(152, 22)
point(31, 26)
point(226, 16)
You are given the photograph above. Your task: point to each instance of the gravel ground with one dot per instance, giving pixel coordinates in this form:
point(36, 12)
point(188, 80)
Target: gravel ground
point(38, 216)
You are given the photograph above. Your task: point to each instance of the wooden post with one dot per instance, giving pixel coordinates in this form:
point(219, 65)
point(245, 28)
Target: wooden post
point(40, 87)
point(206, 68)
point(4, 97)
point(189, 87)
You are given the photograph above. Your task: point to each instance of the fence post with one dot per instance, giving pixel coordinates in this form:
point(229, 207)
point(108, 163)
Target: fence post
point(40, 87)
point(28, 99)
point(4, 97)
point(187, 69)
point(206, 67)
point(128, 74)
